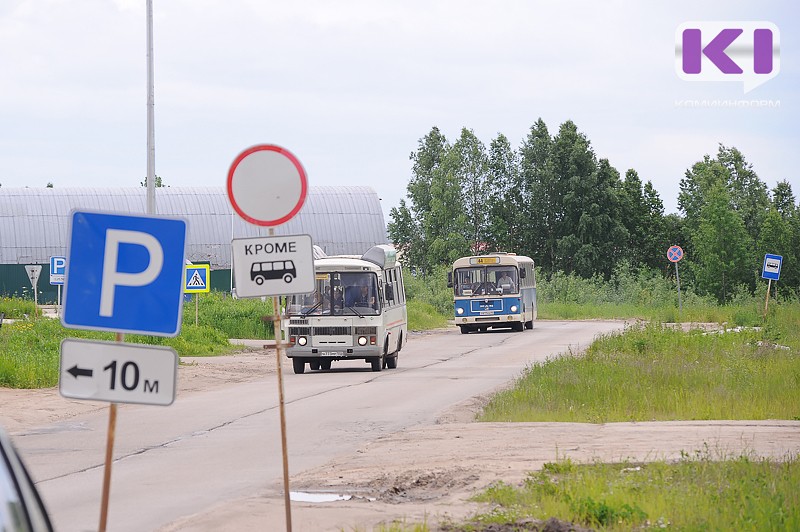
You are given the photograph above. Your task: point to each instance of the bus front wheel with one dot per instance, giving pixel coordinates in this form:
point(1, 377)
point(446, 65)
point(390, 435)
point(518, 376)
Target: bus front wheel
point(377, 362)
point(298, 365)
point(464, 329)
point(286, 278)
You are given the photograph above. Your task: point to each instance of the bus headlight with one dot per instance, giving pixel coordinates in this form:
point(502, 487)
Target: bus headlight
point(362, 341)
point(459, 311)
point(513, 308)
point(302, 340)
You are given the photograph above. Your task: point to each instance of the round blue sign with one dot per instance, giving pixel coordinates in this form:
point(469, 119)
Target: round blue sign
point(674, 253)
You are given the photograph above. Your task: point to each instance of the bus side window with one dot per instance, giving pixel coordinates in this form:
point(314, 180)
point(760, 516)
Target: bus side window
point(400, 289)
point(390, 296)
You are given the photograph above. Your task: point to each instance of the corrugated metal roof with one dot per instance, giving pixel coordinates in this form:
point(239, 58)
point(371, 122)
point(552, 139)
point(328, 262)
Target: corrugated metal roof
point(34, 221)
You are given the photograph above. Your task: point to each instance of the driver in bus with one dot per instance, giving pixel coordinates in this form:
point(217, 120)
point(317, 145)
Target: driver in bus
point(363, 299)
point(506, 282)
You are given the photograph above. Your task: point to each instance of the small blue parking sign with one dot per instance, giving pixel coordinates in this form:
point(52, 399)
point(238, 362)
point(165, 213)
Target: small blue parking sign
point(124, 273)
point(58, 267)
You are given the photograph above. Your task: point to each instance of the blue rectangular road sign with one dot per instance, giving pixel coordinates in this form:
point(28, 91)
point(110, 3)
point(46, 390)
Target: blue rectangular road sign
point(196, 278)
point(124, 273)
point(772, 267)
point(58, 268)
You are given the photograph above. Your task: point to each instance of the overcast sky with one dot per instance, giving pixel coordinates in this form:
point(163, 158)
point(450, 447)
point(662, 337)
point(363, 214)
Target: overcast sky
point(350, 87)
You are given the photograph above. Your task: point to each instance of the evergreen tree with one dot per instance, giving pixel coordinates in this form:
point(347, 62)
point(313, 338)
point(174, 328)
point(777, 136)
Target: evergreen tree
point(406, 235)
point(697, 182)
point(505, 198)
point(543, 197)
point(468, 162)
point(783, 199)
point(723, 247)
point(776, 238)
point(748, 193)
point(410, 224)
point(591, 231)
point(574, 165)
point(656, 239)
point(641, 213)
point(447, 227)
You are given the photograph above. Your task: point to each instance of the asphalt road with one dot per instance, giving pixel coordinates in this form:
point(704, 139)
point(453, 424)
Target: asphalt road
point(224, 444)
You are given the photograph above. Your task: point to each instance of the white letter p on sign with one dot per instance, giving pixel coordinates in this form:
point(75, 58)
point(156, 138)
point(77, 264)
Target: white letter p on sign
point(113, 278)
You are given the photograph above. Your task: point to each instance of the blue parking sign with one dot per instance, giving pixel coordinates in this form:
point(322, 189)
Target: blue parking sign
point(58, 267)
point(124, 273)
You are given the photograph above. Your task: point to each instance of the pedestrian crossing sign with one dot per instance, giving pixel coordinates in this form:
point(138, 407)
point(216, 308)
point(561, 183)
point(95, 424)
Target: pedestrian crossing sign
point(196, 277)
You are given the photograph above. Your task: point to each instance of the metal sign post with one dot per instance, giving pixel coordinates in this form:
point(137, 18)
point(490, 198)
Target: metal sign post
point(267, 186)
point(675, 254)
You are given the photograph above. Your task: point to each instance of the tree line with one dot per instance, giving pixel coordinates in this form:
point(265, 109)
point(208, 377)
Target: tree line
point(554, 200)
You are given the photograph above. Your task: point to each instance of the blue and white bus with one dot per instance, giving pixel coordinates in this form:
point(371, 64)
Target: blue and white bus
point(495, 291)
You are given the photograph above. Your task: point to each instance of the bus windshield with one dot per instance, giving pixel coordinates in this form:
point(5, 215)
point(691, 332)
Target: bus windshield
point(486, 280)
point(338, 294)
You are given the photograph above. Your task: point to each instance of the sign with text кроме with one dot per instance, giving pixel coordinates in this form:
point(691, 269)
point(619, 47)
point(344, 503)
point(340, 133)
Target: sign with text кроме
point(273, 265)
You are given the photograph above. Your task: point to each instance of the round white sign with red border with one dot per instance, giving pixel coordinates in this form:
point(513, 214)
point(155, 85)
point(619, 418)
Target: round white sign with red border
point(267, 185)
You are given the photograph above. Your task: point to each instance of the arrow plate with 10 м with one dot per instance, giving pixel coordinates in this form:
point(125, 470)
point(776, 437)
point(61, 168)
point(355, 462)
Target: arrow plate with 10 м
point(117, 372)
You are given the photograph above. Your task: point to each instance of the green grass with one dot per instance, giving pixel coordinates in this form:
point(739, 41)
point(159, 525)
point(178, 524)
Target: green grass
point(16, 308)
point(30, 349)
point(657, 373)
point(236, 318)
point(423, 316)
point(699, 492)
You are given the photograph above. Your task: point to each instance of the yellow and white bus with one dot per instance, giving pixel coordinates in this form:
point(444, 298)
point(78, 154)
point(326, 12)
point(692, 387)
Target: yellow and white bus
point(496, 290)
point(357, 311)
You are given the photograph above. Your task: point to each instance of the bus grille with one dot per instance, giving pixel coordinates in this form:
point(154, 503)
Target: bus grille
point(296, 321)
point(366, 330)
point(299, 331)
point(333, 331)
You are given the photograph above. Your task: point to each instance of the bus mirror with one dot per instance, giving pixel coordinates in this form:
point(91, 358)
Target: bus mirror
point(449, 279)
point(522, 273)
point(388, 291)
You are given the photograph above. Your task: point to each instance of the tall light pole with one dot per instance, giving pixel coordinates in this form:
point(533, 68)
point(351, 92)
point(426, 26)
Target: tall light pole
point(151, 148)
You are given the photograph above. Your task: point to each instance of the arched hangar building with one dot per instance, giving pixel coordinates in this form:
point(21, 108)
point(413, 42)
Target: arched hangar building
point(34, 224)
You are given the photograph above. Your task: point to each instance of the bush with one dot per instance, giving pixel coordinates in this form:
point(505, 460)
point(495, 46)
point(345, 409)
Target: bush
point(431, 289)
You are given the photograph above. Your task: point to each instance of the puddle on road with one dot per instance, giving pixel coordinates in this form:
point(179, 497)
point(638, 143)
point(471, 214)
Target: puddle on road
point(324, 496)
point(304, 496)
